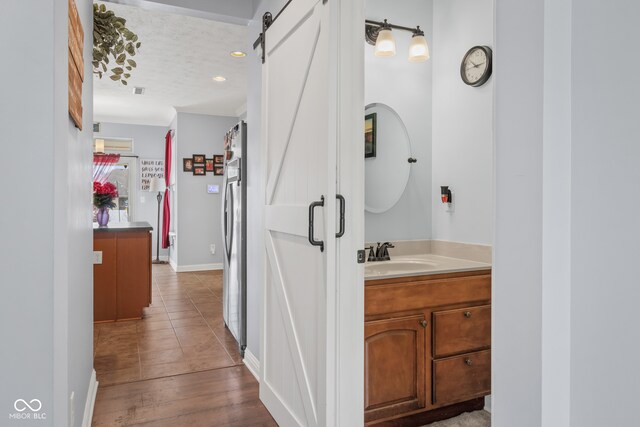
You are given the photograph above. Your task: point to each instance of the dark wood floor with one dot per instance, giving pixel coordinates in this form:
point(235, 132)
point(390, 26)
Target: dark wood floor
point(178, 366)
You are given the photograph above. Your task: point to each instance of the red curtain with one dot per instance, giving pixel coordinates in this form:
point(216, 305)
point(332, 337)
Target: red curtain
point(103, 164)
point(166, 214)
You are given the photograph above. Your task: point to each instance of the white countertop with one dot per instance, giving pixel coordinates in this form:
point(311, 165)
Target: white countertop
point(419, 265)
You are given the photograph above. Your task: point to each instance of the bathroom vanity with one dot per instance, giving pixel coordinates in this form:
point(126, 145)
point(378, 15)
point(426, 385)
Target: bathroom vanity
point(427, 339)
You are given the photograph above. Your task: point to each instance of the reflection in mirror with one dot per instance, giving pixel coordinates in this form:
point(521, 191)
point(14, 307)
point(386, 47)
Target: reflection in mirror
point(387, 150)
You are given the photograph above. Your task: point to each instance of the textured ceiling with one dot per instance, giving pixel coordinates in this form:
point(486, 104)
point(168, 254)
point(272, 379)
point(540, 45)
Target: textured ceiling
point(176, 62)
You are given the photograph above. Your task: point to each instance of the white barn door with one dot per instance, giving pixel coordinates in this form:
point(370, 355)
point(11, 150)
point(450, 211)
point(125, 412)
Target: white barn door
point(303, 121)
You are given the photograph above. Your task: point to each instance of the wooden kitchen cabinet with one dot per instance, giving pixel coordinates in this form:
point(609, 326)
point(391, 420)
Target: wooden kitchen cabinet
point(427, 347)
point(122, 281)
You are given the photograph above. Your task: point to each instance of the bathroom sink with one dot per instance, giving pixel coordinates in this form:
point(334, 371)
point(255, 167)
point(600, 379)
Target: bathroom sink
point(397, 267)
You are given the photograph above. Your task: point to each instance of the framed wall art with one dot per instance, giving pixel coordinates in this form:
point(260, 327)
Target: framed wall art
point(370, 135)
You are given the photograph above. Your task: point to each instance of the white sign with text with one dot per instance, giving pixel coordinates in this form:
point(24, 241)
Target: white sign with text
point(150, 169)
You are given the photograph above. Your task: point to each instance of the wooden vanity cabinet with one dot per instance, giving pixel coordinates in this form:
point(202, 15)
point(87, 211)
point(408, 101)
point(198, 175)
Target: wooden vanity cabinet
point(395, 361)
point(427, 347)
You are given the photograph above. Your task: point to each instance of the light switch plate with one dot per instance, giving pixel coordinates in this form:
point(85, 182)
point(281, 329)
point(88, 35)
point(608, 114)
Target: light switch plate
point(97, 257)
point(212, 248)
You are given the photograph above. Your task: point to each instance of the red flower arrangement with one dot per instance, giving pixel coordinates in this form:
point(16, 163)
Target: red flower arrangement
point(103, 195)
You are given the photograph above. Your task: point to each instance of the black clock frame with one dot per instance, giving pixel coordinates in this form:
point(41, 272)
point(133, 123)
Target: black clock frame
point(487, 73)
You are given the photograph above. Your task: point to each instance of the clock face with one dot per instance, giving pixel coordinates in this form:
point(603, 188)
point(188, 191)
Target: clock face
point(475, 69)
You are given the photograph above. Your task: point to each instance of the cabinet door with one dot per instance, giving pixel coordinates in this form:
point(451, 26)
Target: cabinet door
point(104, 278)
point(394, 366)
point(133, 272)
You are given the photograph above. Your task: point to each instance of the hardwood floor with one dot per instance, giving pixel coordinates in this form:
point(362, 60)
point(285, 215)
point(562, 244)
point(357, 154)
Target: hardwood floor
point(177, 366)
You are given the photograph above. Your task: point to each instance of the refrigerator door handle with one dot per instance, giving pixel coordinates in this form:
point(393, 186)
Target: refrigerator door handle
point(229, 219)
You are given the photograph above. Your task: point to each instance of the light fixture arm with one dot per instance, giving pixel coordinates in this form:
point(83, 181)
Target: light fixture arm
point(387, 24)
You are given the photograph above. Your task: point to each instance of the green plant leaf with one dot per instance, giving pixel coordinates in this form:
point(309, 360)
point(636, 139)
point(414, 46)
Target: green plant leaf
point(111, 38)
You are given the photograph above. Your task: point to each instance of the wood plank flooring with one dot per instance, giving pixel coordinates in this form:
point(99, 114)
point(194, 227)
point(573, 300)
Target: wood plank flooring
point(179, 366)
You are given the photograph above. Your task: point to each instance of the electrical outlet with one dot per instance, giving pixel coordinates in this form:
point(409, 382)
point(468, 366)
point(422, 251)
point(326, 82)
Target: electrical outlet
point(97, 257)
point(72, 409)
point(212, 248)
point(451, 207)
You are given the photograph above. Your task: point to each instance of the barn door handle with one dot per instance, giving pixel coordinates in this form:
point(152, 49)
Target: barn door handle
point(342, 204)
point(312, 240)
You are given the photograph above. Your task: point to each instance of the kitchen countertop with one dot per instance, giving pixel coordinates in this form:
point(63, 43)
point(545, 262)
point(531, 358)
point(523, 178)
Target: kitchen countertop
point(419, 265)
point(123, 226)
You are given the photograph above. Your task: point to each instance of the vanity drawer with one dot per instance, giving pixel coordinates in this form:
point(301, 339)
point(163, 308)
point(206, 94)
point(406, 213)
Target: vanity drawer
point(461, 330)
point(461, 378)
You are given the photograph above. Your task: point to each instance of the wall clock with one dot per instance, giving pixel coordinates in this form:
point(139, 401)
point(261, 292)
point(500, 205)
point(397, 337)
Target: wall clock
point(475, 68)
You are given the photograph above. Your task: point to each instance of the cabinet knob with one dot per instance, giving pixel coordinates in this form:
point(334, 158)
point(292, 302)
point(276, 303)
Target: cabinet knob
point(467, 314)
point(423, 323)
point(468, 361)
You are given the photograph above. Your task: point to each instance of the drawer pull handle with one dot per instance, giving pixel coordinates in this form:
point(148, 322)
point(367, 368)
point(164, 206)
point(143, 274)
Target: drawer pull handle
point(467, 314)
point(468, 361)
point(423, 323)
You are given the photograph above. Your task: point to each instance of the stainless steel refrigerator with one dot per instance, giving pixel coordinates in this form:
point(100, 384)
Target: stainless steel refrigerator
point(234, 232)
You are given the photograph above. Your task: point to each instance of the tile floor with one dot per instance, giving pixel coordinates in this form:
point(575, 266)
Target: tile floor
point(181, 332)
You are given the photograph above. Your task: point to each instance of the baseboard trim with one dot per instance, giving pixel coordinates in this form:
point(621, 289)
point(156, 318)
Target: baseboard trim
point(197, 267)
point(173, 264)
point(91, 400)
point(487, 403)
point(252, 363)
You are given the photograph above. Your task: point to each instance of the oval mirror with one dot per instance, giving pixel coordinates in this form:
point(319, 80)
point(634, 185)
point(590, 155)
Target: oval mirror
point(387, 151)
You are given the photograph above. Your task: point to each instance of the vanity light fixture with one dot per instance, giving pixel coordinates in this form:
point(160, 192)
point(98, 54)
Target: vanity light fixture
point(380, 35)
point(418, 49)
point(385, 43)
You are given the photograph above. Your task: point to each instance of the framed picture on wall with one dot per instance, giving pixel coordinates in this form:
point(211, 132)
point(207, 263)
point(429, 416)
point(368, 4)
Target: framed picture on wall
point(370, 135)
point(218, 170)
point(187, 164)
point(199, 170)
point(198, 159)
point(209, 164)
point(218, 159)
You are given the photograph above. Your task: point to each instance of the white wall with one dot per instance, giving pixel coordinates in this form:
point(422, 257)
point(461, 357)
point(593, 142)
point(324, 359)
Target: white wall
point(255, 191)
point(462, 124)
point(407, 88)
point(173, 192)
point(605, 212)
point(45, 263)
point(517, 266)
point(199, 213)
point(148, 143)
point(556, 211)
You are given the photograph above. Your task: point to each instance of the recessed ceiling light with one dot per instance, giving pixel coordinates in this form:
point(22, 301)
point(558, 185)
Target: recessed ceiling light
point(219, 79)
point(238, 54)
